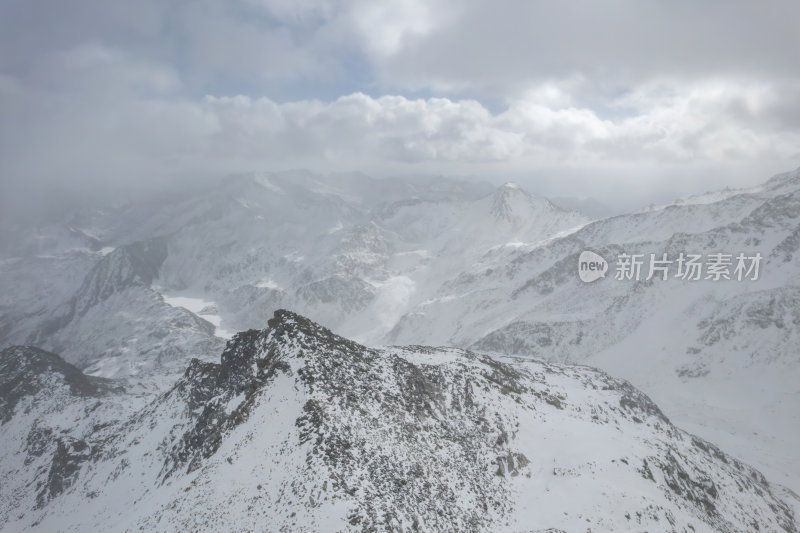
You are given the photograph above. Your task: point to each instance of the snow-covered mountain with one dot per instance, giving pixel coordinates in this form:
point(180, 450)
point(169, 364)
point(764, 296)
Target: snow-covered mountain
point(720, 356)
point(347, 250)
point(132, 292)
point(297, 429)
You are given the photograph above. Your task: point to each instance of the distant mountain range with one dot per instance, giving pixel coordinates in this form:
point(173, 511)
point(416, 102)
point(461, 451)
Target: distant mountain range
point(131, 293)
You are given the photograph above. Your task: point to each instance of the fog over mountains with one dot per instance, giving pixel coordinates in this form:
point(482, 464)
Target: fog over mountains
point(112, 387)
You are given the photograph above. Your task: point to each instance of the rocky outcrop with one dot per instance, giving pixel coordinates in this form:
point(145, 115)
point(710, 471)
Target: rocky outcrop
point(29, 371)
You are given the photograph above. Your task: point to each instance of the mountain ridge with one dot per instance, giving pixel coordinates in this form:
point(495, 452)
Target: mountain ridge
point(298, 428)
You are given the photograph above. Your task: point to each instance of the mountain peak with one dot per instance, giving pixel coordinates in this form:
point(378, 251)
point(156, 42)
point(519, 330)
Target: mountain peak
point(255, 347)
point(511, 202)
point(289, 319)
point(295, 326)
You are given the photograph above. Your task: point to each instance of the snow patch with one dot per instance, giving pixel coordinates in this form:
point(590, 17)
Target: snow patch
point(205, 309)
point(267, 284)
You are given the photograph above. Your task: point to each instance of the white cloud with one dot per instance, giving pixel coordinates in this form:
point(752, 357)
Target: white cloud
point(386, 26)
point(497, 49)
point(701, 124)
point(585, 99)
point(113, 127)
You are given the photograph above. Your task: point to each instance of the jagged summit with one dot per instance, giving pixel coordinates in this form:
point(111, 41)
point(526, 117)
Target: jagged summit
point(294, 325)
point(284, 327)
point(289, 321)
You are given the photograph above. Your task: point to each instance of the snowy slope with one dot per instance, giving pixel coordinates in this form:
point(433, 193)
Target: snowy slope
point(722, 355)
point(134, 291)
point(298, 429)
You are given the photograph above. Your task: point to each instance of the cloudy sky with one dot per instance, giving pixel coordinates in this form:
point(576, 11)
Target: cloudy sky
point(603, 98)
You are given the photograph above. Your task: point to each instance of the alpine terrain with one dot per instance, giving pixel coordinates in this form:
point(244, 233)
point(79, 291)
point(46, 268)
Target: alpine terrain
point(118, 413)
point(298, 429)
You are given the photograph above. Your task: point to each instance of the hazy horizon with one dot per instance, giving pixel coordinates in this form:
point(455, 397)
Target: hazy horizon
point(627, 102)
